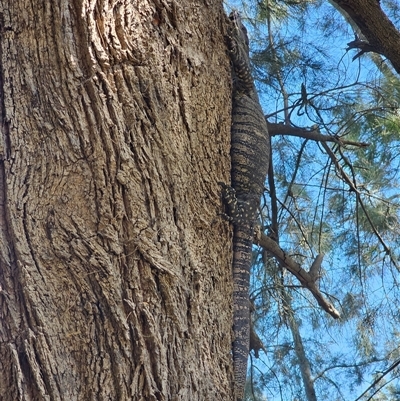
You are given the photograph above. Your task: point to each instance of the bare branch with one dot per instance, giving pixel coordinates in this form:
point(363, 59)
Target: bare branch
point(305, 278)
point(313, 134)
point(374, 24)
point(364, 47)
point(255, 342)
point(316, 267)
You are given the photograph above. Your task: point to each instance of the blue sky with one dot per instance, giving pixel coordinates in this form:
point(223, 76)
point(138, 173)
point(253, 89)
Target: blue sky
point(325, 339)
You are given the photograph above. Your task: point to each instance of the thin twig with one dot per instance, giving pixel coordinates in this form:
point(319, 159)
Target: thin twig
point(353, 187)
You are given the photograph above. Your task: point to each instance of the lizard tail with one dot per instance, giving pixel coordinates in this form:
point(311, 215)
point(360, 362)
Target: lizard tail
point(242, 254)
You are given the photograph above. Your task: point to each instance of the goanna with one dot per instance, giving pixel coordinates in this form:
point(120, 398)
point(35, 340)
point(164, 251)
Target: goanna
point(250, 159)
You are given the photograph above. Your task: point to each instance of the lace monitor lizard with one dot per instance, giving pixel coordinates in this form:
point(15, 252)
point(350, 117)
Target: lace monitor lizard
point(250, 159)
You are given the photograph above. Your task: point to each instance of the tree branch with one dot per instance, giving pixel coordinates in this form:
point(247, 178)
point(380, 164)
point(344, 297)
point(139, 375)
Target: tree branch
point(313, 134)
point(362, 45)
point(382, 35)
point(306, 279)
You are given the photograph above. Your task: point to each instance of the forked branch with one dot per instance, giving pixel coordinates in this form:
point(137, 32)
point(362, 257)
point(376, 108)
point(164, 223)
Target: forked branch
point(307, 279)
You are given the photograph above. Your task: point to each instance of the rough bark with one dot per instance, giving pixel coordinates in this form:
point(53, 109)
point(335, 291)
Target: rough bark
point(115, 121)
point(382, 35)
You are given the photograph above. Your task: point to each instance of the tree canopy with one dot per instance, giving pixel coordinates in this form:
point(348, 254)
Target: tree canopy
point(328, 78)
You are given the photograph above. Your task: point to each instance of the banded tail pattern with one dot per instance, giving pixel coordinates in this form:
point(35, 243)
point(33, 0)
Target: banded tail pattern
point(250, 159)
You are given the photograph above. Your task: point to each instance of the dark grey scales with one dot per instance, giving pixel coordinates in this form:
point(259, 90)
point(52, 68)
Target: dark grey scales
point(250, 159)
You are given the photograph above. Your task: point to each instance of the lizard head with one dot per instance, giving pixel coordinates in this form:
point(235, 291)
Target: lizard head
point(237, 31)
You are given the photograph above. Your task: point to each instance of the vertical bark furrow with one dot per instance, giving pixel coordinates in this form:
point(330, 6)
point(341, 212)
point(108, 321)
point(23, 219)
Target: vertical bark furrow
point(107, 252)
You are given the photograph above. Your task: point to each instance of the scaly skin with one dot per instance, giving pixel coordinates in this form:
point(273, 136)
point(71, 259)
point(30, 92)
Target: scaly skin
point(250, 159)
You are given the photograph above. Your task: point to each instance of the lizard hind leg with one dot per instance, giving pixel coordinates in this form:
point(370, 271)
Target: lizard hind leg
point(228, 195)
point(240, 211)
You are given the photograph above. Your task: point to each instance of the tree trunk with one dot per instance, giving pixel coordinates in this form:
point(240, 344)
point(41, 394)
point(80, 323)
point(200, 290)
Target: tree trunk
point(114, 266)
